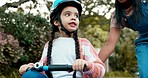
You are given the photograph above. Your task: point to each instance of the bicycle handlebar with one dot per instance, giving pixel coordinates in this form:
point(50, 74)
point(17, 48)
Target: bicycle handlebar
point(39, 67)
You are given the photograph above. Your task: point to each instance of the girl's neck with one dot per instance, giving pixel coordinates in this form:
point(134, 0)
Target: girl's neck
point(63, 34)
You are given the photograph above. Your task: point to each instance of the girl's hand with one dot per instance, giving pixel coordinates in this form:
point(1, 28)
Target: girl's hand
point(79, 64)
point(24, 67)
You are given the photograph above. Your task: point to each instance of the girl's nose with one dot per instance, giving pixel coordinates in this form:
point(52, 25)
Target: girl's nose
point(74, 17)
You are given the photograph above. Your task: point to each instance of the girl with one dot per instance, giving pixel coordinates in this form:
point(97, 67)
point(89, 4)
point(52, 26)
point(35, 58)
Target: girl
point(68, 48)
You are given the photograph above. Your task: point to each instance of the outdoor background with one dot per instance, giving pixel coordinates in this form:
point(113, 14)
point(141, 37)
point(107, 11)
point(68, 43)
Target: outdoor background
point(25, 28)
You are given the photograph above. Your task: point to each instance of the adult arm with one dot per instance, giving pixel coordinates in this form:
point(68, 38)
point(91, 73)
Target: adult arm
point(109, 46)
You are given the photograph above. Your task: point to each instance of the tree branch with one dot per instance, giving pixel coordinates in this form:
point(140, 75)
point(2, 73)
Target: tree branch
point(15, 4)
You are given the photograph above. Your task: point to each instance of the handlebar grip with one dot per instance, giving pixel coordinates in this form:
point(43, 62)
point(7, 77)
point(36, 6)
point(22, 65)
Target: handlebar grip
point(60, 68)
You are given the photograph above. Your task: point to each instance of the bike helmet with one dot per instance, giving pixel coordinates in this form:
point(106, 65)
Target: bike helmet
point(59, 5)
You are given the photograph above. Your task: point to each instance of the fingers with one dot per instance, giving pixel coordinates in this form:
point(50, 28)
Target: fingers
point(23, 68)
point(31, 64)
point(79, 64)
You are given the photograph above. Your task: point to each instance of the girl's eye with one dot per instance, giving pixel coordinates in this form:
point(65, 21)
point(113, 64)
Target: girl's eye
point(77, 16)
point(67, 14)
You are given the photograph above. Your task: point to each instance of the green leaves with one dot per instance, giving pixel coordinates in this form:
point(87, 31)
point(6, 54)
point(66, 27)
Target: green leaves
point(24, 27)
point(94, 28)
point(125, 57)
point(23, 38)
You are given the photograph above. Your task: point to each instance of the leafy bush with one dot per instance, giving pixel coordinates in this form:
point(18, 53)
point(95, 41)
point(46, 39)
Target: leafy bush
point(22, 39)
point(119, 74)
point(10, 52)
point(125, 57)
point(31, 32)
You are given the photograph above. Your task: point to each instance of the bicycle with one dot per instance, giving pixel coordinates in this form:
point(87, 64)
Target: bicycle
point(34, 72)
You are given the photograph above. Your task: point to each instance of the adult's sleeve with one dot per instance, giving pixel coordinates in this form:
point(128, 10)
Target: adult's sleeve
point(113, 22)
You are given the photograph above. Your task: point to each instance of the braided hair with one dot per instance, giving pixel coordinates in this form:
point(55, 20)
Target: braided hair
point(54, 30)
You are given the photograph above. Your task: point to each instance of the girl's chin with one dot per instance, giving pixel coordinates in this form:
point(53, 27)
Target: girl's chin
point(71, 30)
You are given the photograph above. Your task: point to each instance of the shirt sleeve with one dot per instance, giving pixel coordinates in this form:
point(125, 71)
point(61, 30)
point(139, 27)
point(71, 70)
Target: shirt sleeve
point(113, 22)
point(43, 59)
point(95, 65)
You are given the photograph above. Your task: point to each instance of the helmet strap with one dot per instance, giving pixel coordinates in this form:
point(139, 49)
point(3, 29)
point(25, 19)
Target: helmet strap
point(65, 30)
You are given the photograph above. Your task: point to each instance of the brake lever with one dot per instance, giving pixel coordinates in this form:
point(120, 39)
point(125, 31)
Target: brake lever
point(85, 66)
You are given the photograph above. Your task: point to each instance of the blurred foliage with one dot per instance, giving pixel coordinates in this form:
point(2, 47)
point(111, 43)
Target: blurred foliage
point(95, 28)
point(10, 52)
point(125, 57)
point(117, 74)
point(23, 38)
point(31, 32)
point(91, 6)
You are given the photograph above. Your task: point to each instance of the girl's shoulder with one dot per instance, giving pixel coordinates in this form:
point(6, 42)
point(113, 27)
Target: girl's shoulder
point(46, 45)
point(84, 41)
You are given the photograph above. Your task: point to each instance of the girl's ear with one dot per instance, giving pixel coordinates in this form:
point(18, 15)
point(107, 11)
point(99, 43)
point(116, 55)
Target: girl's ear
point(56, 23)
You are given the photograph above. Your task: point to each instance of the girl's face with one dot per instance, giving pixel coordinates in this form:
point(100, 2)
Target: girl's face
point(70, 18)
